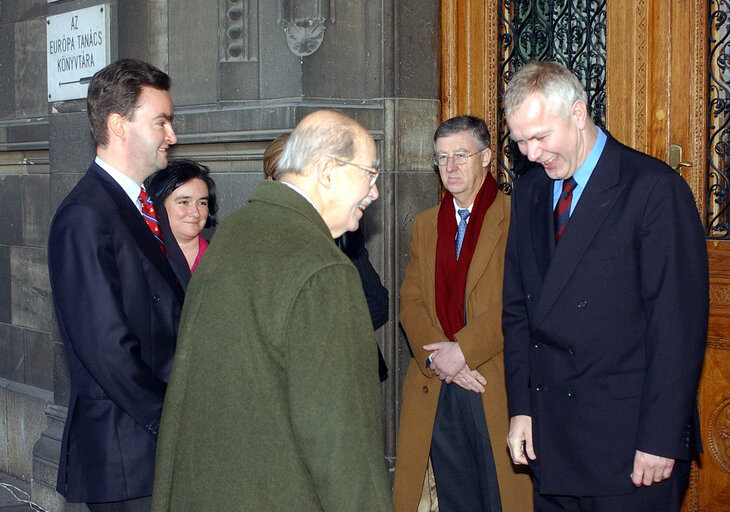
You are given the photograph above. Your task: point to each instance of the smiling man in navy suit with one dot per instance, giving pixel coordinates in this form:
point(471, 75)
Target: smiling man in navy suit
point(116, 297)
point(605, 309)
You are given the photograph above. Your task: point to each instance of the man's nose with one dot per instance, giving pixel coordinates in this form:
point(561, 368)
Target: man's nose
point(373, 193)
point(533, 150)
point(170, 136)
point(451, 164)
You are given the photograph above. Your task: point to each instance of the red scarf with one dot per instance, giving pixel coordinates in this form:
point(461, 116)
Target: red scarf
point(450, 272)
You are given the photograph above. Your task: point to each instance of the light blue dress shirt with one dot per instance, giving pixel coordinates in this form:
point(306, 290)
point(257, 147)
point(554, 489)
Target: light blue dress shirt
point(583, 174)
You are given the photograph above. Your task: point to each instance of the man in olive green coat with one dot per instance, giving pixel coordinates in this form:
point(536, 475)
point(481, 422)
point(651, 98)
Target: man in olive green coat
point(274, 398)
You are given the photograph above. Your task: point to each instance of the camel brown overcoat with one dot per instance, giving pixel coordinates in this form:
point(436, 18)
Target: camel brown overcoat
point(480, 341)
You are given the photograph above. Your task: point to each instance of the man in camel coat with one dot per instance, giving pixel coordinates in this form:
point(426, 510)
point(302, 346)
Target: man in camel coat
point(451, 442)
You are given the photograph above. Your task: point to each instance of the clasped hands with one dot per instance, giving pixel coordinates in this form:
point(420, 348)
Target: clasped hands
point(449, 365)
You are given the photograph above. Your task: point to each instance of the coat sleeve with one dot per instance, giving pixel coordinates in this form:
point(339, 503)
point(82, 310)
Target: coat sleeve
point(87, 290)
point(515, 324)
point(481, 339)
point(675, 292)
point(416, 317)
point(376, 294)
point(334, 391)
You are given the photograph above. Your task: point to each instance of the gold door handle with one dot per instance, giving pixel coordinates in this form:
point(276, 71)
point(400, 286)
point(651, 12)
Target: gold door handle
point(675, 158)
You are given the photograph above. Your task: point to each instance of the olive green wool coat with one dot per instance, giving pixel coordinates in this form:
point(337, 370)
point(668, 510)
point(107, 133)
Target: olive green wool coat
point(274, 401)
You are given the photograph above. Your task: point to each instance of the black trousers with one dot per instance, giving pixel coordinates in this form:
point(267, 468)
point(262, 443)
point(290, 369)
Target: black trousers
point(461, 454)
point(136, 505)
point(665, 496)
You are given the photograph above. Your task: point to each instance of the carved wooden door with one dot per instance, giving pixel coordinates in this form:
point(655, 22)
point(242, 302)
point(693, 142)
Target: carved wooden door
point(659, 69)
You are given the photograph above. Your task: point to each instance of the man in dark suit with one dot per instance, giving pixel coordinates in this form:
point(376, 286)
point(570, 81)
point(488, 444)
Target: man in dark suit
point(605, 309)
point(117, 299)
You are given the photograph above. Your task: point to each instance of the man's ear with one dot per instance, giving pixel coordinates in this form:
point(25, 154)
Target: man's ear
point(486, 157)
point(324, 168)
point(116, 125)
point(579, 111)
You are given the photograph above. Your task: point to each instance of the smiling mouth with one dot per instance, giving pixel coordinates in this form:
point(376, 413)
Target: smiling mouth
point(550, 161)
point(364, 204)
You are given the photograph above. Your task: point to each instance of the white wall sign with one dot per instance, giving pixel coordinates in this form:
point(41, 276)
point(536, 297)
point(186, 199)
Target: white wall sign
point(78, 47)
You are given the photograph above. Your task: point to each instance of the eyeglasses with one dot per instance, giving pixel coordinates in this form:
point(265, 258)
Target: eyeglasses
point(373, 172)
point(458, 158)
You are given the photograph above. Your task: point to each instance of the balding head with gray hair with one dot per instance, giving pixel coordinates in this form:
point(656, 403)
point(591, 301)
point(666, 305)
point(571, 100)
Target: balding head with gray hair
point(324, 133)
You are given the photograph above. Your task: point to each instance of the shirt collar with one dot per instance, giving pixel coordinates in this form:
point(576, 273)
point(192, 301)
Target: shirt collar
point(130, 187)
point(583, 174)
point(300, 192)
point(457, 208)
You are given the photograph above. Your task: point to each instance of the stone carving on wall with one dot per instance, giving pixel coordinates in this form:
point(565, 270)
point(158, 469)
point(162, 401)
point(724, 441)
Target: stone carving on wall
point(238, 30)
point(719, 434)
point(304, 23)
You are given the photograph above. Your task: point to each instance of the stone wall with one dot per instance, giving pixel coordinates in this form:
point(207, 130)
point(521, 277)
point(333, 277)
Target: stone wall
point(237, 84)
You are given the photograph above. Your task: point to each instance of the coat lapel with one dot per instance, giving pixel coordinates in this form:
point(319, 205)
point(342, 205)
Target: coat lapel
point(493, 230)
point(541, 224)
point(595, 203)
point(138, 229)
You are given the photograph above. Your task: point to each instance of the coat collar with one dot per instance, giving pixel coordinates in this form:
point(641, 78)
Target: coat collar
point(283, 196)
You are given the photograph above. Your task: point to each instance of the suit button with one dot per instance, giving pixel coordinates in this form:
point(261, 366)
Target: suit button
point(536, 345)
point(530, 296)
point(155, 299)
point(571, 393)
point(425, 389)
point(539, 387)
point(571, 351)
point(582, 303)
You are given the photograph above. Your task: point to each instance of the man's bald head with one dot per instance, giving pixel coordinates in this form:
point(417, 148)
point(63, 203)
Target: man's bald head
point(323, 132)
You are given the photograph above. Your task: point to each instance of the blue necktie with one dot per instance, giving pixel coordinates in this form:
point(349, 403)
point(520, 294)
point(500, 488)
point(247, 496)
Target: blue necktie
point(464, 214)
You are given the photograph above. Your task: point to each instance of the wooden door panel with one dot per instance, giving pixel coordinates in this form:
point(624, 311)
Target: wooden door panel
point(710, 486)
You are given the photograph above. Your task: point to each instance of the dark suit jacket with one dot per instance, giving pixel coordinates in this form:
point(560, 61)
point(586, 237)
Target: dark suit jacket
point(352, 243)
point(605, 333)
point(175, 256)
point(117, 304)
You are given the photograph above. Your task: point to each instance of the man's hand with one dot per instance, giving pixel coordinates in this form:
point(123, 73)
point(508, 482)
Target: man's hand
point(471, 380)
point(649, 469)
point(519, 439)
point(447, 359)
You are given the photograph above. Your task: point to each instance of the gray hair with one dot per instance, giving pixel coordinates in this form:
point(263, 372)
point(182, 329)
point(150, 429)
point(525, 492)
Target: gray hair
point(334, 137)
point(559, 86)
point(476, 126)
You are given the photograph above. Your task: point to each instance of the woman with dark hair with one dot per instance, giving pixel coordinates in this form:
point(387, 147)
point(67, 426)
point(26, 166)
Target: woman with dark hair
point(188, 193)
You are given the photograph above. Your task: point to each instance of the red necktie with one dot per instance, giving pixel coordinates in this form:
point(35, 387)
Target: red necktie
point(562, 210)
point(150, 216)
